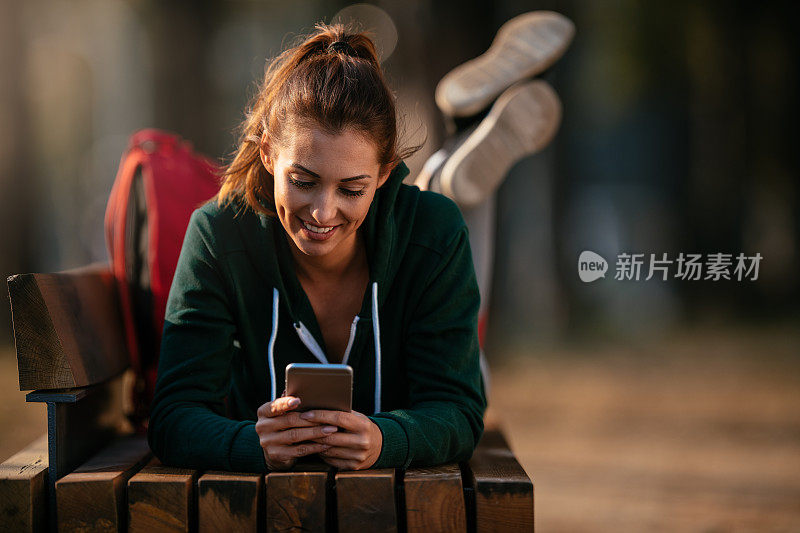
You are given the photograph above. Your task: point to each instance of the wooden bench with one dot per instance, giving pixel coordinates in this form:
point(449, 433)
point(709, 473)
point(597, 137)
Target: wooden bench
point(91, 473)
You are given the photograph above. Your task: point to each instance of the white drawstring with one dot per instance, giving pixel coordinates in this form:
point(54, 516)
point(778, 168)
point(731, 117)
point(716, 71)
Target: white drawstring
point(273, 335)
point(310, 342)
point(376, 333)
point(351, 339)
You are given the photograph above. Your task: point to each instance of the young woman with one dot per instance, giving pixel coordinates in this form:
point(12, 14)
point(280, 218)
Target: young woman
point(315, 251)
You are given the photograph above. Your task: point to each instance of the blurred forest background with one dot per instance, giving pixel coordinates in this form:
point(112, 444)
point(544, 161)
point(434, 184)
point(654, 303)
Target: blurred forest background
point(679, 135)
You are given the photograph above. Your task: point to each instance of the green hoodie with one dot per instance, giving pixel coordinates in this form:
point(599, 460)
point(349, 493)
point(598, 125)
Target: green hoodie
point(237, 315)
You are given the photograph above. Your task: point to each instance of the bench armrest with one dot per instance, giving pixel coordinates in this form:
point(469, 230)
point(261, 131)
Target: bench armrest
point(67, 328)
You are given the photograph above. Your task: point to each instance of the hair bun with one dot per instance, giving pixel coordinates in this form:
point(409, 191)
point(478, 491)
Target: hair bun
point(342, 46)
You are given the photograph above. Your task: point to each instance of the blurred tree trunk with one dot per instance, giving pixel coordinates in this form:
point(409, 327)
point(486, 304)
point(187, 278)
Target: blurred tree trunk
point(743, 185)
point(16, 213)
point(181, 33)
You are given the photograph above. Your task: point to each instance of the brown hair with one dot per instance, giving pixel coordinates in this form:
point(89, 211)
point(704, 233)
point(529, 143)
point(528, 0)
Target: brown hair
point(332, 79)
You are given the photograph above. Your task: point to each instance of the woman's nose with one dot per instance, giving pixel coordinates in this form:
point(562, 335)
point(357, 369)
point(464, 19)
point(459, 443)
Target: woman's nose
point(323, 208)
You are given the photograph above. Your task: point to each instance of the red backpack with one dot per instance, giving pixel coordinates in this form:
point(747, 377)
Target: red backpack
point(160, 181)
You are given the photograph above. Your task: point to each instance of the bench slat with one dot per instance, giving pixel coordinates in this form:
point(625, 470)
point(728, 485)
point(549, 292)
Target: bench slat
point(229, 501)
point(297, 500)
point(67, 328)
point(92, 498)
point(23, 489)
point(435, 499)
point(503, 491)
point(366, 497)
point(160, 498)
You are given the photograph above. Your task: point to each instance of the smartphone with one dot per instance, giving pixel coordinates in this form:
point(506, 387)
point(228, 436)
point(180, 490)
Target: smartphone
point(320, 386)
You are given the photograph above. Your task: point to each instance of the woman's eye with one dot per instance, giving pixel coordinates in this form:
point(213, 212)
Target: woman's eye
point(301, 184)
point(352, 193)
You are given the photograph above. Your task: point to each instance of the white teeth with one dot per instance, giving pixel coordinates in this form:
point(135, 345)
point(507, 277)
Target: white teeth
point(316, 229)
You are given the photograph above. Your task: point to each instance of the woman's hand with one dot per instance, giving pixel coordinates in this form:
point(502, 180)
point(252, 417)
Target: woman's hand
point(356, 446)
point(280, 431)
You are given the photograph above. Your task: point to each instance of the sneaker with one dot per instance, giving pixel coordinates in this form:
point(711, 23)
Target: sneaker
point(523, 47)
point(521, 122)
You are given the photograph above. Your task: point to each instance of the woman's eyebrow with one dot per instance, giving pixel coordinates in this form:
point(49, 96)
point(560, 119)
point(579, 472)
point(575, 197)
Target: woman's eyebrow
point(314, 174)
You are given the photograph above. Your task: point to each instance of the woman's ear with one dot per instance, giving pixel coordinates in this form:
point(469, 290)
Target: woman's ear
point(384, 174)
point(266, 160)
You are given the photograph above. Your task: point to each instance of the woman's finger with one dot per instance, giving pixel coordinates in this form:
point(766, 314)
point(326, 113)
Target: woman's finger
point(347, 454)
point(349, 421)
point(291, 420)
point(285, 454)
point(345, 440)
point(279, 423)
point(341, 464)
point(301, 450)
point(284, 457)
point(295, 434)
point(278, 406)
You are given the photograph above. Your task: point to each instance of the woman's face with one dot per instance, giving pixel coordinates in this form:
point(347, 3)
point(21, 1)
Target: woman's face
point(324, 185)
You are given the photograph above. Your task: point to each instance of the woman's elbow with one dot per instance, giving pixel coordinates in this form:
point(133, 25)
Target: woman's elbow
point(158, 439)
point(471, 434)
point(155, 438)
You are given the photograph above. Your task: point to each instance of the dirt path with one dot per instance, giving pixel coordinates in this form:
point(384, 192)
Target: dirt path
point(20, 422)
point(701, 433)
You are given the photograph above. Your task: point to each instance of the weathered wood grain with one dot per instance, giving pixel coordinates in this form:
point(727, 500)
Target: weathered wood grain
point(23, 489)
point(297, 500)
point(93, 497)
point(160, 498)
point(229, 501)
point(434, 499)
point(503, 491)
point(67, 328)
point(366, 499)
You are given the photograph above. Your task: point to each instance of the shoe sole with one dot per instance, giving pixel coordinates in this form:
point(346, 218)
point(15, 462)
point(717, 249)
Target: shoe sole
point(523, 121)
point(523, 47)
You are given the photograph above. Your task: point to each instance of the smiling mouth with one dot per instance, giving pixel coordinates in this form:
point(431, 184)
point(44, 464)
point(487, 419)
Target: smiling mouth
point(317, 229)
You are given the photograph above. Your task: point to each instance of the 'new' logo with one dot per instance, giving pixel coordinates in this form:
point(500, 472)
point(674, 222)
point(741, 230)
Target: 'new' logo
point(591, 266)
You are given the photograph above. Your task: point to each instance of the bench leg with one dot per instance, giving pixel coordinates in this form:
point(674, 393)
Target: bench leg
point(79, 423)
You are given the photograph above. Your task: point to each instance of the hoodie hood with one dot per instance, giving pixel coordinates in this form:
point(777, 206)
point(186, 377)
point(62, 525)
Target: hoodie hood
point(386, 230)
